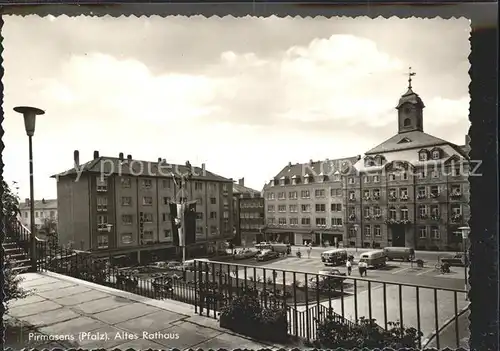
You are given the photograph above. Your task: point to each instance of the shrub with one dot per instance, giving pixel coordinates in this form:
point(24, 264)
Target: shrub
point(334, 333)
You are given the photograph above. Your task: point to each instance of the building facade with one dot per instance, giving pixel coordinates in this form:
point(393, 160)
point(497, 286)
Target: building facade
point(45, 213)
point(412, 190)
point(243, 231)
point(121, 205)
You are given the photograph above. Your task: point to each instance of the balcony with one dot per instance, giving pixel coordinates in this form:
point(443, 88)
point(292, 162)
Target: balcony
point(376, 197)
point(456, 195)
point(435, 217)
point(102, 188)
point(456, 218)
point(377, 216)
point(368, 218)
point(352, 199)
point(421, 196)
point(321, 226)
point(404, 198)
point(102, 208)
point(102, 227)
point(434, 195)
point(225, 193)
point(367, 198)
point(392, 197)
point(352, 217)
point(393, 221)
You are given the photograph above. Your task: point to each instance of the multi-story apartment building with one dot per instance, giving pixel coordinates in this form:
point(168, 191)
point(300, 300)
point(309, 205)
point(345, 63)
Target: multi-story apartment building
point(248, 213)
point(305, 203)
point(45, 211)
point(117, 205)
point(411, 190)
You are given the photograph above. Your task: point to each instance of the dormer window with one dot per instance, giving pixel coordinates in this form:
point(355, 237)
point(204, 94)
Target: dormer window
point(422, 156)
point(336, 176)
point(436, 155)
point(369, 161)
point(307, 179)
point(282, 181)
point(272, 182)
point(294, 180)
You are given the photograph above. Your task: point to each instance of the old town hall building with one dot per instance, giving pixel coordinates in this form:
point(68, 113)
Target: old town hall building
point(411, 190)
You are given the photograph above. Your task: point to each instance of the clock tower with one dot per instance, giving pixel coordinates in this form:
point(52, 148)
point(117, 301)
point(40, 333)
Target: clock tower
point(410, 110)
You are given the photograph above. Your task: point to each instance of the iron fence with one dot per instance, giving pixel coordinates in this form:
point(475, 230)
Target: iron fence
point(309, 297)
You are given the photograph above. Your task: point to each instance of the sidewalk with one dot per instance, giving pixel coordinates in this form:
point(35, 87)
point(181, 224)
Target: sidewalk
point(447, 335)
point(65, 312)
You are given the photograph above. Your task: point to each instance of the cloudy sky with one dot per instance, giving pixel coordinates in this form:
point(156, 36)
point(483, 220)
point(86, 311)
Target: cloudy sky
point(245, 96)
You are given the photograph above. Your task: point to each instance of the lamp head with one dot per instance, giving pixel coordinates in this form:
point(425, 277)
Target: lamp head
point(29, 114)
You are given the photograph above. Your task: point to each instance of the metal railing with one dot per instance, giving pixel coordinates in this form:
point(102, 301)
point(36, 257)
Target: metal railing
point(349, 299)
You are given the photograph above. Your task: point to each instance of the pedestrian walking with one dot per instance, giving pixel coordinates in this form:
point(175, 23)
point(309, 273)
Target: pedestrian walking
point(309, 252)
point(363, 267)
point(348, 265)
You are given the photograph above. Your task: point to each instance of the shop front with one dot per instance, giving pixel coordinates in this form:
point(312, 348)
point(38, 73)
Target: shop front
point(303, 238)
point(328, 239)
point(278, 236)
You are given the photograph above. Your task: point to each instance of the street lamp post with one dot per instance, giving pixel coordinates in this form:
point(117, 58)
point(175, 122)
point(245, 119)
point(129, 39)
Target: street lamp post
point(465, 234)
point(29, 114)
point(356, 230)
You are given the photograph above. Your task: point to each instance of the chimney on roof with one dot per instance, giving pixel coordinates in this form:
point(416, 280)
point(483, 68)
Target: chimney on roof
point(159, 160)
point(203, 167)
point(289, 164)
point(43, 201)
point(120, 156)
point(359, 157)
point(96, 154)
point(76, 157)
point(129, 157)
point(27, 201)
point(311, 161)
point(241, 181)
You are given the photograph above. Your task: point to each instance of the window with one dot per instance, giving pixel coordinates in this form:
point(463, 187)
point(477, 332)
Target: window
point(407, 121)
point(456, 209)
point(434, 191)
point(455, 190)
point(366, 194)
point(102, 221)
point(435, 174)
point(422, 174)
point(422, 156)
point(102, 183)
point(294, 221)
point(376, 230)
point(270, 221)
point(271, 196)
point(367, 212)
point(52, 214)
point(199, 215)
point(147, 237)
point(147, 217)
point(213, 201)
point(351, 180)
point(421, 192)
point(352, 232)
point(320, 207)
point(435, 233)
point(281, 195)
point(307, 179)
point(102, 241)
point(422, 211)
point(321, 221)
point(166, 200)
point(305, 221)
point(422, 232)
point(436, 155)
point(125, 182)
point(392, 194)
point(292, 195)
point(319, 193)
point(376, 179)
point(336, 177)
point(126, 201)
point(282, 208)
point(270, 208)
point(352, 195)
point(403, 193)
point(226, 203)
point(126, 219)
point(366, 179)
point(392, 176)
point(213, 214)
point(305, 194)
point(25, 214)
point(368, 230)
point(455, 172)
point(272, 182)
point(147, 183)
point(164, 217)
point(198, 186)
point(352, 211)
point(102, 203)
point(127, 238)
point(305, 208)
point(225, 214)
point(224, 187)
point(147, 201)
point(404, 214)
point(337, 222)
point(167, 183)
point(404, 175)
point(376, 194)
point(377, 212)
point(293, 208)
point(392, 213)
point(336, 207)
point(435, 211)
point(282, 221)
point(168, 234)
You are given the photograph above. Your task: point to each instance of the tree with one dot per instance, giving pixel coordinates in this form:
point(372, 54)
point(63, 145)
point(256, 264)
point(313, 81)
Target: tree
point(10, 211)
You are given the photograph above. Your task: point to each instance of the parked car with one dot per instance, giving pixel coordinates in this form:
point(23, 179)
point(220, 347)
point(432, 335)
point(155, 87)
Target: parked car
point(267, 255)
point(457, 260)
point(375, 258)
point(329, 278)
point(334, 257)
point(399, 253)
point(244, 254)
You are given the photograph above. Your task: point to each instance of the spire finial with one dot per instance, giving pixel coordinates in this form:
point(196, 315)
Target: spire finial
point(410, 74)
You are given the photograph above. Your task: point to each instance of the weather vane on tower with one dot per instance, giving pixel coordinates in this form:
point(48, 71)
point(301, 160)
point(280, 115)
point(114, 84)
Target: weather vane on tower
point(410, 74)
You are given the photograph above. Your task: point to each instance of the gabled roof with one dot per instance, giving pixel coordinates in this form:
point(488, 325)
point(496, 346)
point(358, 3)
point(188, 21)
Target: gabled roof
point(141, 168)
point(327, 167)
point(417, 139)
point(43, 204)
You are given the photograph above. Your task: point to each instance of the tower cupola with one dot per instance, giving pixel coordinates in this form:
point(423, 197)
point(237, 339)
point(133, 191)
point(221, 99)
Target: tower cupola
point(410, 109)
